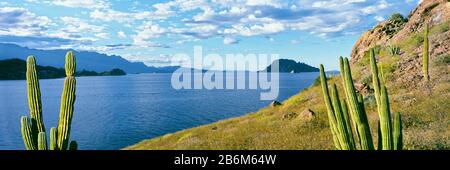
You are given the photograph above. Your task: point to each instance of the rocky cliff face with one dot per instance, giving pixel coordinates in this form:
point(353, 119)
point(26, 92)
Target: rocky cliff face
point(405, 68)
point(433, 12)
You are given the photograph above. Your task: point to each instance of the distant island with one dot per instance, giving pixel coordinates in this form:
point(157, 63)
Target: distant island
point(15, 69)
point(291, 66)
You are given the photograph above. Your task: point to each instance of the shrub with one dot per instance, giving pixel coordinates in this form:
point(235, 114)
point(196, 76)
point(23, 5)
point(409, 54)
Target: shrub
point(443, 59)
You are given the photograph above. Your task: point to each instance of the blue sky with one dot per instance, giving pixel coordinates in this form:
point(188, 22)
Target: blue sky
point(311, 31)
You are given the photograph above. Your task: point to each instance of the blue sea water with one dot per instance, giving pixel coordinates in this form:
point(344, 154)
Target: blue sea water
point(118, 111)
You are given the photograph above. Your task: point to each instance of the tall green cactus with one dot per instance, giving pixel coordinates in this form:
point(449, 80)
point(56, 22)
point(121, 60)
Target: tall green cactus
point(398, 136)
point(327, 99)
point(34, 96)
point(33, 132)
point(385, 121)
point(390, 136)
point(67, 103)
point(375, 78)
point(357, 112)
point(425, 54)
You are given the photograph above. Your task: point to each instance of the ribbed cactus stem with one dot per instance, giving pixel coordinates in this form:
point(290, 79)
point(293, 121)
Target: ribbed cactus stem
point(341, 124)
point(66, 113)
point(53, 138)
point(27, 134)
point(356, 111)
point(70, 65)
point(398, 137)
point(375, 78)
point(67, 103)
point(42, 141)
point(34, 96)
point(385, 121)
point(348, 123)
point(425, 54)
point(73, 145)
point(327, 99)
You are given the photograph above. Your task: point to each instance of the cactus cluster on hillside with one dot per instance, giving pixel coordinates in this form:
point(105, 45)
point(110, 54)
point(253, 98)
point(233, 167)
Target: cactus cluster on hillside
point(33, 130)
point(343, 114)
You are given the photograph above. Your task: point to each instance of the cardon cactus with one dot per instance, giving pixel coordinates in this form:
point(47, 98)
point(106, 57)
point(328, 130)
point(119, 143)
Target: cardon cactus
point(33, 131)
point(34, 97)
point(390, 136)
point(425, 54)
point(357, 112)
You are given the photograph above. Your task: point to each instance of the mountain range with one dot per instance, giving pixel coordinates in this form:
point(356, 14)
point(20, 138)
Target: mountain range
point(85, 60)
point(98, 62)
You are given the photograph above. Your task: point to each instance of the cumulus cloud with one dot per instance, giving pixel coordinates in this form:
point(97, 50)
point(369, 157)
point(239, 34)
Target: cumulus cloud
point(76, 25)
point(21, 22)
point(146, 33)
point(91, 4)
point(230, 40)
point(193, 20)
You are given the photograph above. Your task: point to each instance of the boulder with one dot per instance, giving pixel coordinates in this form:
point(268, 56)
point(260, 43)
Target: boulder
point(275, 103)
point(307, 114)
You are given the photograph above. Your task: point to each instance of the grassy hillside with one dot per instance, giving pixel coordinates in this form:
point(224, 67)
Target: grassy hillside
point(425, 107)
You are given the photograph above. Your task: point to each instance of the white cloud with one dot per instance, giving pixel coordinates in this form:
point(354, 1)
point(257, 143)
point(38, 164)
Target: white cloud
point(21, 22)
point(76, 25)
point(379, 18)
point(230, 40)
point(121, 34)
point(127, 17)
point(102, 35)
point(261, 29)
point(273, 3)
point(146, 33)
point(91, 4)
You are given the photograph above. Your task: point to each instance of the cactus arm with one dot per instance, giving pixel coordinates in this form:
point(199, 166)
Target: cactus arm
point(42, 141)
point(27, 134)
point(356, 111)
point(327, 99)
point(344, 136)
point(348, 125)
point(67, 103)
point(34, 97)
point(398, 138)
point(375, 79)
point(385, 121)
point(53, 139)
point(70, 65)
point(425, 54)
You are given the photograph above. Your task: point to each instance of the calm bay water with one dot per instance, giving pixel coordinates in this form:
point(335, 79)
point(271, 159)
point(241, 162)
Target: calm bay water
point(114, 112)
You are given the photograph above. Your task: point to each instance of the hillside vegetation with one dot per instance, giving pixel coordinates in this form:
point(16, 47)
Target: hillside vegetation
point(424, 106)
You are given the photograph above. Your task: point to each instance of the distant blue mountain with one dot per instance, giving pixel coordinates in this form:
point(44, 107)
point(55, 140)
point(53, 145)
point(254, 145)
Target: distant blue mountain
point(85, 60)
